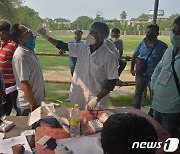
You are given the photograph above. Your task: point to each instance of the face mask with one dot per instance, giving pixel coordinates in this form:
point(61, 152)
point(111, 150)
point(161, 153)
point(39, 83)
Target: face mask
point(30, 43)
point(90, 40)
point(175, 40)
point(151, 37)
point(114, 39)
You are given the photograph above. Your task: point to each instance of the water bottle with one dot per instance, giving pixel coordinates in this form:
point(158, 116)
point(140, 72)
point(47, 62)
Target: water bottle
point(75, 122)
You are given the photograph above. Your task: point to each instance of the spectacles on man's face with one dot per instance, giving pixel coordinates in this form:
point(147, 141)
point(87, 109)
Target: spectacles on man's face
point(27, 30)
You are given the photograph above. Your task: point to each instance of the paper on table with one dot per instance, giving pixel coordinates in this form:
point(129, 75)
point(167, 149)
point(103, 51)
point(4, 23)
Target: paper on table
point(90, 144)
point(6, 144)
point(28, 132)
point(10, 89)
point(34, 116)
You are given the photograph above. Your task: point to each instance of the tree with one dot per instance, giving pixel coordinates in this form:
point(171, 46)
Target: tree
point(99, 17)
point(123, 15)
point(82, 22)
point(144, 16)
point(28, 17)
point(9, 8)
point(170, 21)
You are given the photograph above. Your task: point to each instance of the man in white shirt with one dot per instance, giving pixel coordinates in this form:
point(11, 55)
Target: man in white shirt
point(96, 70)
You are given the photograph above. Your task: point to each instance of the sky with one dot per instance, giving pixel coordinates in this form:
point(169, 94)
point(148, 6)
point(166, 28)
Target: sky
point(71, 9)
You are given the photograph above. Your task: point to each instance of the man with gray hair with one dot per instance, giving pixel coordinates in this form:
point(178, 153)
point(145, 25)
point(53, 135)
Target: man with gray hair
point(96, 72)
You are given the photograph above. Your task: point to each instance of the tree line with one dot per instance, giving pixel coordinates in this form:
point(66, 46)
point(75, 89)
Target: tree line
point(16, 12)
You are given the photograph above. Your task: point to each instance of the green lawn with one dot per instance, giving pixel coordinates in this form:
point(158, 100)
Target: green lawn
point(59, 92)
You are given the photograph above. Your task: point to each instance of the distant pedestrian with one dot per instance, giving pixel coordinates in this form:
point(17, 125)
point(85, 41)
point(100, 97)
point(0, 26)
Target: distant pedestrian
point(73, 59)
point(115, 38)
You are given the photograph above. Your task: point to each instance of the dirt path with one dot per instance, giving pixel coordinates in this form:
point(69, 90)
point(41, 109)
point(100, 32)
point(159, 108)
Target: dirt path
point(63, 74)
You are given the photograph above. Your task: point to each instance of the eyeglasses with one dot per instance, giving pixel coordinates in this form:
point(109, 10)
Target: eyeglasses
point(27, 30)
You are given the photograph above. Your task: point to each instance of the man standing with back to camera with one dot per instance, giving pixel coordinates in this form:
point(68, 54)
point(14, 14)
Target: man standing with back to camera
point(154, 48)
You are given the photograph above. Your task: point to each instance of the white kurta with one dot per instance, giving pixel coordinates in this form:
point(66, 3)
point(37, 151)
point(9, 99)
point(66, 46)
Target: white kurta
point(91, 73)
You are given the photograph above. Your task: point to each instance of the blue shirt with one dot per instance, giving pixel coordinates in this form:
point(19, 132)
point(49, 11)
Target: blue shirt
point(142, 51)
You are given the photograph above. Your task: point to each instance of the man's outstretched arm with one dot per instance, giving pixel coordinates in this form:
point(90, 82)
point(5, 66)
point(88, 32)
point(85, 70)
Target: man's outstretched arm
point(57, 43)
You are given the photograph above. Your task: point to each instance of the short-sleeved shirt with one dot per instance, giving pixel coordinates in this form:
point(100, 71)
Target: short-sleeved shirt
point(7, 50)
point(73, 58)
point(166, 97)
point(91, 73)
point(119, 45)
point(74, 41)
point(112, 47)
point(142, 51)
point(27, 68)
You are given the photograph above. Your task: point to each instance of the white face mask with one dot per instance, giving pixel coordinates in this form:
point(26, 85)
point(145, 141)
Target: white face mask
point(114, 39)
point(90, 40)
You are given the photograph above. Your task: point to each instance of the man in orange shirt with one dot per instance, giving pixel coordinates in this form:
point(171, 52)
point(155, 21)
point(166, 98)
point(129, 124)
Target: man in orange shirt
point(7, 48)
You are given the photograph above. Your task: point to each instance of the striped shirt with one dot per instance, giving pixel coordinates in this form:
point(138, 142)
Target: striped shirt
point(6, 53)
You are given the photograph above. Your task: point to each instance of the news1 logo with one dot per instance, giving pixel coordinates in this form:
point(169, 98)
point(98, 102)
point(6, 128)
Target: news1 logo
point(170, 145)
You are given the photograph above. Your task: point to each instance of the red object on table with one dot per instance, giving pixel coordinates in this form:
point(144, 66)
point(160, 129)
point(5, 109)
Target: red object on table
point(59, 133)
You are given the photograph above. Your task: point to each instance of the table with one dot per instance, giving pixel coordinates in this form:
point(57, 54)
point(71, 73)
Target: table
point(59, 133)
point(20, 123)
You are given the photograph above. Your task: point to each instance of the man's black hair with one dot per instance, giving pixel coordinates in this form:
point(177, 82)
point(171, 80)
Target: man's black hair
point(15, 32)
point(154, 26)
point(121, 130)
point(78, 32)
point(177, 21)
point(116, 30)
point(5, 25)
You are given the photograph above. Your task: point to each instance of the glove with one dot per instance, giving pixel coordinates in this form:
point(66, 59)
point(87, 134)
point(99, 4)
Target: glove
point(61, 149)
point(42, 32)
point(92, 104)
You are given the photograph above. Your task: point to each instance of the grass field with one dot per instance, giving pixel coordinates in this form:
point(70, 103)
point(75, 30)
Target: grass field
point(59, 92)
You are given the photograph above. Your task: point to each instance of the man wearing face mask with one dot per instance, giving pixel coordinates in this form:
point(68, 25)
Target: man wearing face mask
point(7, 48)
point(166, 99)
point(27, 70)
point(72, 60)
point(150, 47)
point(96, 70)
point(115, 38)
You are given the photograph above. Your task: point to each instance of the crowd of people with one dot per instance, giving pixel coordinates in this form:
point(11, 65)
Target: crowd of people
point(95, 68)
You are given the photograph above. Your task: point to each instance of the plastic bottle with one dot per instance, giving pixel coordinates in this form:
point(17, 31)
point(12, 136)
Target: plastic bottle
point(75, 122)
